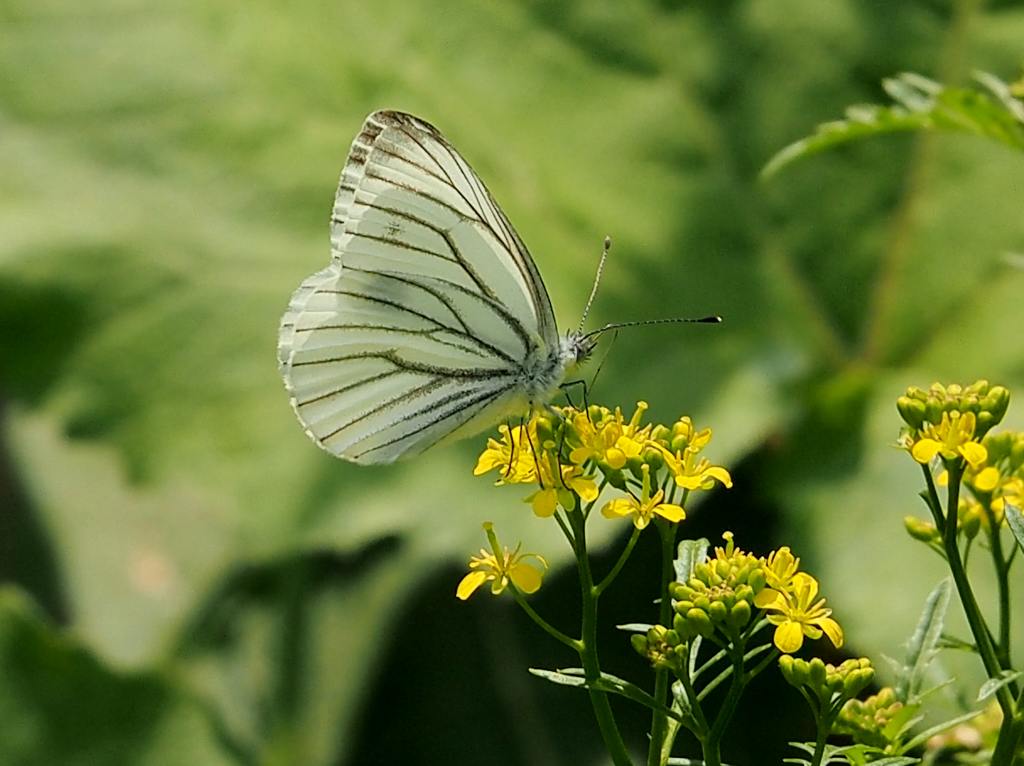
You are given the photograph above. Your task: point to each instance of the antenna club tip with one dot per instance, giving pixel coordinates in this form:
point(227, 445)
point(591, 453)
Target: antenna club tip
point(714, 319)
point(607, 243)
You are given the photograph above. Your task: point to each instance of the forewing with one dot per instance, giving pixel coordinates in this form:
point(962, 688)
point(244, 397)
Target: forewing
point(407, 201)
point(419, 328)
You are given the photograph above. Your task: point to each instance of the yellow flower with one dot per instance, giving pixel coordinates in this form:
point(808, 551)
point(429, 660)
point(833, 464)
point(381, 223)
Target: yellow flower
point(611, 440)
point(953, 437)
point(691, 473)
point(546, 500)
point(644, 508)
point(514, 455)
point(500, 570)
point(797, 614)
point(780, 570)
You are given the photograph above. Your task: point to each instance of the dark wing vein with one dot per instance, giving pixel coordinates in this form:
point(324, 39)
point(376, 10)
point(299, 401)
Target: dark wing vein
point(466, 409)
point(466, 332)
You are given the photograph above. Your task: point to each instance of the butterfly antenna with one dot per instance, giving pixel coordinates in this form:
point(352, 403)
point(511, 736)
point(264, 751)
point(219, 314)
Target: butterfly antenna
point(714, 319)
point(597, 281)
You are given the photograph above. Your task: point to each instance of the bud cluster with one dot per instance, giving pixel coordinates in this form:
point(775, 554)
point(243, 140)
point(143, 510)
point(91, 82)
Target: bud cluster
point(847, 680)
point(720, 594)
point(866, 720)
point(988, 404)
point(663, 647)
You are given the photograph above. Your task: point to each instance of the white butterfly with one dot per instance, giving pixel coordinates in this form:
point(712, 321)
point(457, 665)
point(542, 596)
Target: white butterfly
point(431, 321)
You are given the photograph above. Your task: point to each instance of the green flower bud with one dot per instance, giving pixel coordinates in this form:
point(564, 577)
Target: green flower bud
point(639, 643)
point(756, 580)
point(920, 529)
point(700, 623)
point(718, 611)
point(615, 478)
point(970, 522)
point(858, 681)
point(661, 434)
point(635, 466)
point(739, 615)
point(911, 410)
point(933, 411)
point(818, 674)
point(655, 459)
point(799, 674)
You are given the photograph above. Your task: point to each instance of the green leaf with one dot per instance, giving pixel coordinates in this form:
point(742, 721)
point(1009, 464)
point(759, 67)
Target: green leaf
point(921, 104)
point(606, 683)
point(1015, 520)
point(923, 736)
point(922, 647)
point(689, 554)
point(992, 685)
point(59, 703)
point(567, 677)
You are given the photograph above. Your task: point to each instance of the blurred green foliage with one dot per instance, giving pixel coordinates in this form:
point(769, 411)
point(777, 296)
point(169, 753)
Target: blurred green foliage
point(167, 172)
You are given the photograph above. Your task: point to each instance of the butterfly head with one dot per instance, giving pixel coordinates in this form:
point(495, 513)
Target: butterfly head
point(577, 348)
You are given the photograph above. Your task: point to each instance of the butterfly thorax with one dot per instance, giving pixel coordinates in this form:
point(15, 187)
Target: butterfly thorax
point(545, 372)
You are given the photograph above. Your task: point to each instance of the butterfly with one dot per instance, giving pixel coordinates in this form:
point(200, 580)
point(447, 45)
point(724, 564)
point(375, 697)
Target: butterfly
point(431, 321)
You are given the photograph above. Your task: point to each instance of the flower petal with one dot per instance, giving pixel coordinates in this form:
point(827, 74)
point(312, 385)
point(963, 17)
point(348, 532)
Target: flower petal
point(469, 584)
point(789, 637)
point(925, 449)
point(832, 630)
point(526, 577)
point(974, 453)
point(670, 512)
point(623, 506)
point(717, 472)
point(544, 502)
point(987, 480)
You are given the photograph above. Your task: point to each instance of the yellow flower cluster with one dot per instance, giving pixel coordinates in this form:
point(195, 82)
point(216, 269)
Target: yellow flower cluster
point(568, 452)
point(953, 422)
point(868, 721)
point(721, 592)
point(950, 421)
point(570, 455)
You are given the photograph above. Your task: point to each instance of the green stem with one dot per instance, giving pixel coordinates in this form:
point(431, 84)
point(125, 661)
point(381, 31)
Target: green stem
point(588, 651)
point(1011, 735)
point(712, 745)
point(623, 558)
point(975, 620)
point(659, 721)
point(1003, 582)
point(823, 726)
point(547, 627)
point(693, 699)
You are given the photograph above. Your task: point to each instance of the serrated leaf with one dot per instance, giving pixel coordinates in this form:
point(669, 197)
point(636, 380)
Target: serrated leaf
point(922, 644)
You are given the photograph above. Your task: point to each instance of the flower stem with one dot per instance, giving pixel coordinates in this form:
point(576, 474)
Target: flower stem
point(659, 722)
point(982, 638)
point(547, 627)
point(712, 745)
point(588, 649)
point(623, 558)
point(823, 726)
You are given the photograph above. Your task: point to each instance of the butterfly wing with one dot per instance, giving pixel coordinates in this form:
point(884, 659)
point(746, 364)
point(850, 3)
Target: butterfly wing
point(421, 327)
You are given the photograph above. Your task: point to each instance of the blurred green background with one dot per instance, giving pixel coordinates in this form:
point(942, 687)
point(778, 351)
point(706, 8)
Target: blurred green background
point(191, 581)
